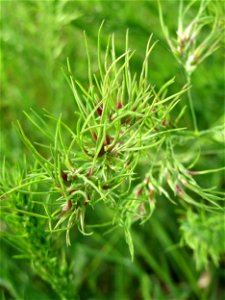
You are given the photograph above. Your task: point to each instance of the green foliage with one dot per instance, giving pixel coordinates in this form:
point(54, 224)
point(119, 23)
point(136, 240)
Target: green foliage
point(111, 165)
point(204, 233)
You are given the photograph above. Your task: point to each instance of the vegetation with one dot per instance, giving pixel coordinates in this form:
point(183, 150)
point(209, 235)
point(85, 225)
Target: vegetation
point(112, 150)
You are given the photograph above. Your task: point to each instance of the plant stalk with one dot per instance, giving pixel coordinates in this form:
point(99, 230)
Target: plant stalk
point(190, 100)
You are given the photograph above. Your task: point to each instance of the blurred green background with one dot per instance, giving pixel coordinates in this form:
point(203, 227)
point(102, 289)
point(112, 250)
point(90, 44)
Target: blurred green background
point(37, 37)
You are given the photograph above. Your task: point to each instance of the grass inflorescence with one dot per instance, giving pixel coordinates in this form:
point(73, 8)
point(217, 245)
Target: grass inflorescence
point(123, 159)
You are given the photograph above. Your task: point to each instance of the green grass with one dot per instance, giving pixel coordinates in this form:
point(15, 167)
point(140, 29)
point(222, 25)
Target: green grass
point(112, 186)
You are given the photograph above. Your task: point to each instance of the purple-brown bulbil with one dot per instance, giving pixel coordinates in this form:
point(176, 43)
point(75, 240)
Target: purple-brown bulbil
point(107, 140)
point(94, 135)
point(139, 192)
point(64, 176)
point(67, 206)
point(179, 189)
point(99, 110)
point(119, 105)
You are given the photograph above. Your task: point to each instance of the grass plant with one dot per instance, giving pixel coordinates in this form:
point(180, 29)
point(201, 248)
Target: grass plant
point(115, 193)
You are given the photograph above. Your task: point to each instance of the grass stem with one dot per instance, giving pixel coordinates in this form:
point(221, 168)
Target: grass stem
point(190, 100)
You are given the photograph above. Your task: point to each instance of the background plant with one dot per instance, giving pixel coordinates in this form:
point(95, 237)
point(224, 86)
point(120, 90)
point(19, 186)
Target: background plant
point(40, 201)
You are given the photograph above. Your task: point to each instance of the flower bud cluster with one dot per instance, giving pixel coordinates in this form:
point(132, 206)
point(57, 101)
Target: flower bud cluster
point(196, 38)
